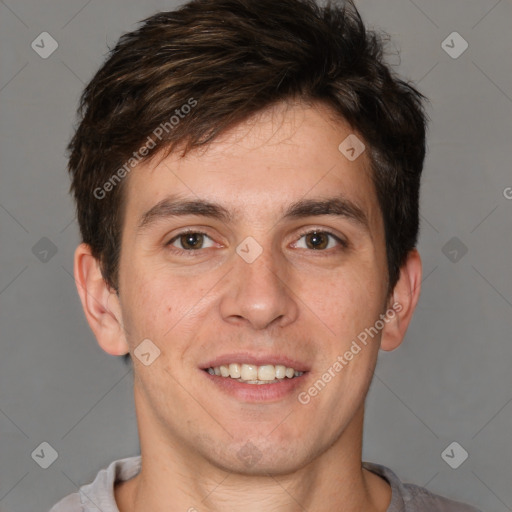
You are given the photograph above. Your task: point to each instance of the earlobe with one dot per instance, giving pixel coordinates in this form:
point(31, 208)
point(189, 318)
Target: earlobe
point(403, 301)
point(100, 303)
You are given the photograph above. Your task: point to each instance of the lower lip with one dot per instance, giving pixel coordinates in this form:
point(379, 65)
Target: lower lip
point(257, 392)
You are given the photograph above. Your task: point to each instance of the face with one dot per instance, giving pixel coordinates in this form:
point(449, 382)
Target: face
point(262, 253)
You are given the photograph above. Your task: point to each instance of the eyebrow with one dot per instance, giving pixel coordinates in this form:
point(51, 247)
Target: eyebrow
point(335, 206)
point(175, 207)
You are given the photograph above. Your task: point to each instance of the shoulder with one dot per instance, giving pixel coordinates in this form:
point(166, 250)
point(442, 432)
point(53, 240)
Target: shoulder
point(420, 499)
point(413, 498)
point(98, 496)
point(70, 503)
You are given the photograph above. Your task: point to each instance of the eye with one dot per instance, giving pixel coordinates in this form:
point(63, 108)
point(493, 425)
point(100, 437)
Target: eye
point(319, 240)
point(190, 241)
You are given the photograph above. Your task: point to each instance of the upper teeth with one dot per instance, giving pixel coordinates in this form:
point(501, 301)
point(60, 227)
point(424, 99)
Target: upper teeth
point(253, 373)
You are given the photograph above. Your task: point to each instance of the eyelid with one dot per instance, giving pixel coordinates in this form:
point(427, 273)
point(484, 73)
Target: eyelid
point(185, 232)
point(307, 231)
point(344, 243)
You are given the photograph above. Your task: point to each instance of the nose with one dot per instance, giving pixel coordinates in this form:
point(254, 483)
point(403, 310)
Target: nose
point(259, 293)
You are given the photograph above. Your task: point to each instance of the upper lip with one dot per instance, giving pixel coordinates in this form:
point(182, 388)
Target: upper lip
point(255, 359)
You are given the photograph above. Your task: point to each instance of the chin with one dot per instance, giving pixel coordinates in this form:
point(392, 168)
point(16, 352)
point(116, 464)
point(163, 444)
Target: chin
point(262, 457)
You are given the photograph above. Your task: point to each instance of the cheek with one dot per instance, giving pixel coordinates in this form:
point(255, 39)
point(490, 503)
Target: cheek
point(164, 309)
point(345, 303)
point(148, 307)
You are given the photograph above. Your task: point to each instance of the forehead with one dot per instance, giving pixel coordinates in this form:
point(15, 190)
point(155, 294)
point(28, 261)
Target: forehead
point(260, 167)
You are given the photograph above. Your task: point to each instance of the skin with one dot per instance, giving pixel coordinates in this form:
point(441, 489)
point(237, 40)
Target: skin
point(307, 304)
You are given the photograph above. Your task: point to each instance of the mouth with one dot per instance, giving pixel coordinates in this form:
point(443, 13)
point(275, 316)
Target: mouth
point(254, 374)
point(258, 378)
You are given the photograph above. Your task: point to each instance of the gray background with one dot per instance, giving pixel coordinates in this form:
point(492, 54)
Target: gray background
point(449, 381)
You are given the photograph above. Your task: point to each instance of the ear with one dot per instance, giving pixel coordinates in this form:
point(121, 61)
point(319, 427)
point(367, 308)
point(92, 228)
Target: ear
point(101, 304)
point(403, 301)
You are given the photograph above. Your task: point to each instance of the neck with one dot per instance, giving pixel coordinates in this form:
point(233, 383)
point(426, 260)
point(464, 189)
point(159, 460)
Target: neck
point(173, 475)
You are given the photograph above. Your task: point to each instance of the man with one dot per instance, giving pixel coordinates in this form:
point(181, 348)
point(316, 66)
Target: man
point(247, 178)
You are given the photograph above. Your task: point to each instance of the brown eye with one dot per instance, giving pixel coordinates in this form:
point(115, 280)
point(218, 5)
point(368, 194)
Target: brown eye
point(190, 241)
point(317, 240)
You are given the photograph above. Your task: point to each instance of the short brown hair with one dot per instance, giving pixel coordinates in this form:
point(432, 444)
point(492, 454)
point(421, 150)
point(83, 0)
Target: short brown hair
point(226, 60)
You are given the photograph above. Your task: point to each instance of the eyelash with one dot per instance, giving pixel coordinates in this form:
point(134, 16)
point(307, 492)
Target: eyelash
point(180, 252)
point(192, 252)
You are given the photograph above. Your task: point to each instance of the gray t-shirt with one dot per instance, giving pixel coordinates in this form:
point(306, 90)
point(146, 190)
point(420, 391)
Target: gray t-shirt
point(98, 496)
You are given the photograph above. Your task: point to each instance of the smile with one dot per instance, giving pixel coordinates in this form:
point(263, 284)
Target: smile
point(254, 374)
